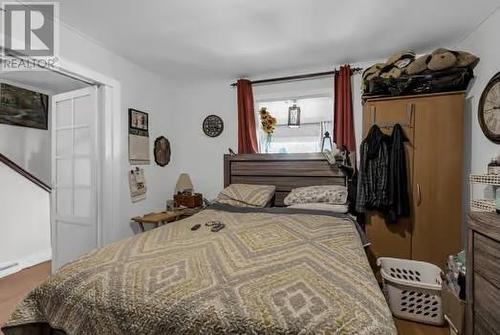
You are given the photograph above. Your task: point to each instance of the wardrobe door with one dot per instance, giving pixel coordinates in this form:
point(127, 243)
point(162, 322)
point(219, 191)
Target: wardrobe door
point(390, 240)
point(438, 177)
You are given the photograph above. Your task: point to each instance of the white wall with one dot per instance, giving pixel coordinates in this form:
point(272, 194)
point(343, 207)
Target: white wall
point(25, 229)
point(27, 147)
point(142, 90)
point(478, 149)
point(196, 153)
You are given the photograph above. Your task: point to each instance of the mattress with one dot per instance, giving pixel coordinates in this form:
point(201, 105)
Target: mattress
point(269, 271)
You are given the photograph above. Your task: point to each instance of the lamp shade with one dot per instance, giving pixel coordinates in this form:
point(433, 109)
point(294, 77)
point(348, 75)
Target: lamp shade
point(184, 184)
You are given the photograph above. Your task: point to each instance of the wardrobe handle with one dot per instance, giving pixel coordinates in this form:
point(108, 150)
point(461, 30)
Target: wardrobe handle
point(372, 115)
point(410, 110)
point(419, 195)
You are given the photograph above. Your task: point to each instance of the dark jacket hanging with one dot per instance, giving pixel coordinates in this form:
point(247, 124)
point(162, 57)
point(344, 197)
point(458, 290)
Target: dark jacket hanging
point(382, 180)
point(399, 202)
point(374, 164)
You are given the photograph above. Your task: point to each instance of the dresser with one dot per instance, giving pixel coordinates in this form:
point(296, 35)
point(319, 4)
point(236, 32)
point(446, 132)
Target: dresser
point(434, 127)
point(483, 274)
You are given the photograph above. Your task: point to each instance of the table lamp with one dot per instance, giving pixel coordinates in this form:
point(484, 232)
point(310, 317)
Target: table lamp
point(184, 184)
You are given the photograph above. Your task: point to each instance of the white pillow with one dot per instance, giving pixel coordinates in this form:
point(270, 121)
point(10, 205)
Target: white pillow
point(322, 206)
point(332, 194)
point(246, 195)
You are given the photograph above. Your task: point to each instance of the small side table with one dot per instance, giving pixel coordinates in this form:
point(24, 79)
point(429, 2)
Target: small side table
point(157, 218)
point(165, 217)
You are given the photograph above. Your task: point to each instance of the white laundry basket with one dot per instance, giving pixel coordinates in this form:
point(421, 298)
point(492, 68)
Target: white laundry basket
point(413, 289)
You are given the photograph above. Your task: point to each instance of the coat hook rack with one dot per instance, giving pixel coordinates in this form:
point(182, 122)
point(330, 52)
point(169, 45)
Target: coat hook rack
point(409, 118)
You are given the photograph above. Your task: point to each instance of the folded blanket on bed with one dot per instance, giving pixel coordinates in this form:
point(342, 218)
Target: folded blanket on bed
point(264, 273)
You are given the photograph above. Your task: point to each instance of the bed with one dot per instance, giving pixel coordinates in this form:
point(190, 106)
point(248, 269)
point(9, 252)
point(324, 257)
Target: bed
point(269, 271)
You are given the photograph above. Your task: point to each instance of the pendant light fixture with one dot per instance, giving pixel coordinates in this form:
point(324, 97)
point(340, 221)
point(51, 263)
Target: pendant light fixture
point(294, 115)
point(326, 143)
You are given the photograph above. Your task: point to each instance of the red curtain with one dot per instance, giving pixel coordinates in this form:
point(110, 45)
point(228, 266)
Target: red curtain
point(343, 119)
point(247, 134)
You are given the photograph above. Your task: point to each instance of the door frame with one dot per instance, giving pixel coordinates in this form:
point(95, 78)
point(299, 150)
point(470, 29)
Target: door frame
point(109, 120)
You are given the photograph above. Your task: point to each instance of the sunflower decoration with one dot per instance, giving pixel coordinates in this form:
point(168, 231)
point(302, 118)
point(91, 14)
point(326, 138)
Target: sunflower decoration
point(267, 120)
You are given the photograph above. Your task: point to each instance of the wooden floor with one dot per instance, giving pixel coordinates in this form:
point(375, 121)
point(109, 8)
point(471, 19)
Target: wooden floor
point(15, 287)
point(414, 328)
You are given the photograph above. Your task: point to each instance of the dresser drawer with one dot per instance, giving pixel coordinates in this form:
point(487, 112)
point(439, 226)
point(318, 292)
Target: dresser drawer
point(487, 258)
point(486, 307)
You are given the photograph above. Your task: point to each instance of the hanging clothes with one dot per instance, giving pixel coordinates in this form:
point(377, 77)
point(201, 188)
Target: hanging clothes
point(399, 201)
point(382, 180)
point(374, 165)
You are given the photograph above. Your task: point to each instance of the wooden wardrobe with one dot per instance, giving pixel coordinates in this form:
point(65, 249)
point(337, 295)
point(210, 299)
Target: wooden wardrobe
point(434, 125)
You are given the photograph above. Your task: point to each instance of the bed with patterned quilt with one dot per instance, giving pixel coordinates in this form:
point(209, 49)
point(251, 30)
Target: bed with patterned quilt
point(268, 271)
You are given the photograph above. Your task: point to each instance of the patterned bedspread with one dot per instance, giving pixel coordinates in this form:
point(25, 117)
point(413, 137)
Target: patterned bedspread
point(264, 273)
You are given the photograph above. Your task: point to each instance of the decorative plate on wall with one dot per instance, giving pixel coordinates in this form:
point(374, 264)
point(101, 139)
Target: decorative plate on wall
point(489, 109)
point(213, 126)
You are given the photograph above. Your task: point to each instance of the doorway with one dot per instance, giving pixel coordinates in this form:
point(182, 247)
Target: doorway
point(83, 142)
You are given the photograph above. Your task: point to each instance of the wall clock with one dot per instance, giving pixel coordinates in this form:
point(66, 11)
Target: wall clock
point(489, 109)
point(213, 126)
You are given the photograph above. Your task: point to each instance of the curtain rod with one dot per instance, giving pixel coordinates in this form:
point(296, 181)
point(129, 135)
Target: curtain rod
point(299, 76)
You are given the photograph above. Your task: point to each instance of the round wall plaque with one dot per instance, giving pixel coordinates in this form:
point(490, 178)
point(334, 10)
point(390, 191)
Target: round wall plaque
point(162, 151)
point(213, 126)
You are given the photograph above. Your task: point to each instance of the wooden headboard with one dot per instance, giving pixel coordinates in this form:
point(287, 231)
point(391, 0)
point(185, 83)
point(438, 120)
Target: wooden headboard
point(285, 171)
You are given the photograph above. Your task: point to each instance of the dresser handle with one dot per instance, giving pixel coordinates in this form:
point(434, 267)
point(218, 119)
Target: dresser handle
point(419, 195)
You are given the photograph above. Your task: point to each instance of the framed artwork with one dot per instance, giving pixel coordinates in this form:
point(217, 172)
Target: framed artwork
point(138, 120)
point(25, 108)
point(162, 151)
point(138, 137)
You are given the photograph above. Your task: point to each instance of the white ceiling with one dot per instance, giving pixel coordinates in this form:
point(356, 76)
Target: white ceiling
point(233, 38)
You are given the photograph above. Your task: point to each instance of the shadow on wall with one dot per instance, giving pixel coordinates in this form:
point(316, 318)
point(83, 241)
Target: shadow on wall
point(37, 159)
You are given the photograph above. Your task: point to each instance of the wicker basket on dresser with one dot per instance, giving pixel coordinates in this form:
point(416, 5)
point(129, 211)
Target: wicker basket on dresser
point(483, 274)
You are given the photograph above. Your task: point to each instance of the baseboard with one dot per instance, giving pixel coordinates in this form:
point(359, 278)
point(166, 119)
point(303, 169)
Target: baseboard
point(14, 266)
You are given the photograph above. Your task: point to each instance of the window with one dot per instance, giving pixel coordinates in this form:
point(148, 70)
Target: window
point(316, 115)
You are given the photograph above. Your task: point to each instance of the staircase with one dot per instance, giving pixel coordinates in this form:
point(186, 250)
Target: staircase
point(25, 218)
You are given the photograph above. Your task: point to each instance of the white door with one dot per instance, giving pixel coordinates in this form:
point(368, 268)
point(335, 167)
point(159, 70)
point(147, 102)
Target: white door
point(74, 217)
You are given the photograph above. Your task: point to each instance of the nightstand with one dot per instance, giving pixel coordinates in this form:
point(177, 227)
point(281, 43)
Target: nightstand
point(165, 217)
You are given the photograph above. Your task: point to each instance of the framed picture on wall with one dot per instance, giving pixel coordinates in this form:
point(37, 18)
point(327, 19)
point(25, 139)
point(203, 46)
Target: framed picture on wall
point(138, 135)
point(25, 108)
point(138, 120)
